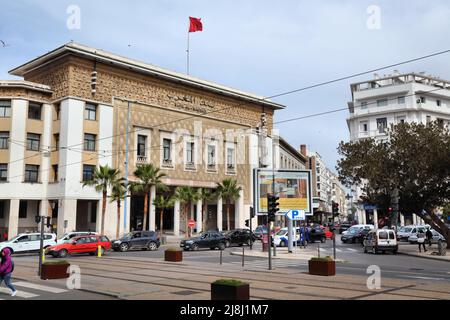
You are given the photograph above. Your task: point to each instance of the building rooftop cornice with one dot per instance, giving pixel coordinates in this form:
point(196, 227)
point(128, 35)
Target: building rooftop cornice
point(25, 85)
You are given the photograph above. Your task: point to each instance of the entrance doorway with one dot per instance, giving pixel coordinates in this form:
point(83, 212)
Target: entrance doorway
point(86, 216)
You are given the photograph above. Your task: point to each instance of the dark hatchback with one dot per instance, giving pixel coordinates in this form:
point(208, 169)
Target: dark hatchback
point(344, 227)
point(143, 240)
point(208, 239)
point(316, 233)
point(355, 236)
point(239, 237)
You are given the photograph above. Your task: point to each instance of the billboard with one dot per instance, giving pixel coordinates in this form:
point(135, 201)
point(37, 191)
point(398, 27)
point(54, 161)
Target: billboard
point(292, 186)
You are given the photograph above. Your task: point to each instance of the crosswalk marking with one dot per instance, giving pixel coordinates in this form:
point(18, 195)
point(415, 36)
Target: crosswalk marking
point(20, 294)
point(39, 287)
point(353, 250)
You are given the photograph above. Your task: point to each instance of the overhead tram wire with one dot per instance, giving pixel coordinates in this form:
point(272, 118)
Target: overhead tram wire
point(266, 98)
point(111, 153)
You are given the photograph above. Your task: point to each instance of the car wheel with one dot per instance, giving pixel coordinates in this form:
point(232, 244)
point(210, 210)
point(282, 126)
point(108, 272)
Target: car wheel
point(194, 247)
point(383, 252)
point(395, 251)
point(124, 247)
point(227, 243)
point(212, 248)
point(222, 246)
point(54, 255)
point(282, 243)
point(62, 253)
point(152, 246)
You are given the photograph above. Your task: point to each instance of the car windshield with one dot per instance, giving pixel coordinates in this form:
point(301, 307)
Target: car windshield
point(353, 231)
point(15, 238)
point(406, 229)
point(129, 235)
point(281, 232)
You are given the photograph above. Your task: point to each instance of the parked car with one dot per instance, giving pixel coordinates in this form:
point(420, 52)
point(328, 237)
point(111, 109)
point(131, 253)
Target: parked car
point(74, 234)
point(239, 237)
point(435, 239)
point(208, 239)
point(141, 240)
point(405, 232)
point(316, 233)
point(82, 244)
point(359, 227)
point(259, 231)
point(355, 235)
point(413, 232)
point(381, 240)
point(344, 226)
point(28, 242)
point(281, 237)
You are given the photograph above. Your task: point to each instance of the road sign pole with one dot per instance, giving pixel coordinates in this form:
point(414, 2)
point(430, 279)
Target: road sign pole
point(41, 249)
point(290, 228)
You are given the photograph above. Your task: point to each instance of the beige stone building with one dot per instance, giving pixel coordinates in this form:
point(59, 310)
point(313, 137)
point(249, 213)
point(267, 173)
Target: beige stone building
point(69, 114)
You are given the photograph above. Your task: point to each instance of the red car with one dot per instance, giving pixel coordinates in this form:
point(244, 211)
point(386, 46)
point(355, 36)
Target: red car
point(82, 244)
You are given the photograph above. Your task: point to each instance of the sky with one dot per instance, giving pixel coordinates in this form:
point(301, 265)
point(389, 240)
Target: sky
point(259, 46)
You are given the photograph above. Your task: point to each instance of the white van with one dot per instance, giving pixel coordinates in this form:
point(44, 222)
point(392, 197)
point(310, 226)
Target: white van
point(381, 240)
point(28, 242)
point(71, 235)
point(358, 227)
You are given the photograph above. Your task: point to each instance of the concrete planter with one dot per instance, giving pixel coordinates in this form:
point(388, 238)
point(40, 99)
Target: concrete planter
point(54, 271)
point(173, 256)
point(230, 292)
point(322, 268)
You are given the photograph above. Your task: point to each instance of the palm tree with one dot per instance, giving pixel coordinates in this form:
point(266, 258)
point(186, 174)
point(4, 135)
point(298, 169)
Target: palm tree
point(163, 202)
point(229, 191)
point(119, 192)
point(148, 176)
point(205, 195)
point(103, 178)
point(185, 195)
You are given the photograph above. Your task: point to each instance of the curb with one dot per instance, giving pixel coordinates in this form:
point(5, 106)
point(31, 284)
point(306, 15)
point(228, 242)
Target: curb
point(305, 259)
point(423, 257)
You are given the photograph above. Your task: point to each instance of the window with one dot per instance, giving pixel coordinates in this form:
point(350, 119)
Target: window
point(141, 149)
point(90, 112)
point(55, 173)
point(211, 156)
point(230, 158)
point(423, 100)
point(438, 103)
point(23, 207)
point(440, 123)
point(364, 126)
point(364, 105)
point(31, 173)
point(382, 103)
point(58, 111)
point(2, 210)
point(190, 153)
point(167, 145)
point(56, 137)
point(34, 111)
point(88, 172)
point(5, 108)
point(33, 141)
point(401, 100)
point(381, 125)
point(401, 119)
point(4, 137)
point(3, 172)
point(89, 142)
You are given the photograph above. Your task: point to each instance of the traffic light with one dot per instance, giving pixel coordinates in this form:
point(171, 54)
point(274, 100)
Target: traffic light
point(272, 206)
point(252, 213)
point(247, 223)
point(335, 207)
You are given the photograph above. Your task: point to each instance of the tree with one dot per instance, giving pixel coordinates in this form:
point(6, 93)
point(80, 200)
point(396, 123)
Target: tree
point(414, 160)
point(119, 192)
point(185, 195)
point(229, 191)
point(103, 178)
point(148, 176)
point(163, 202)
point(205, 195)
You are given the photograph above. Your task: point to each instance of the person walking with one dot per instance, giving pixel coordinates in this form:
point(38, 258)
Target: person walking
point(421, 240)
point(429, 236)
point(6, 270)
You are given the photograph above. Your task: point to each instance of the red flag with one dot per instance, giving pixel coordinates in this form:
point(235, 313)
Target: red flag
point(195, 25)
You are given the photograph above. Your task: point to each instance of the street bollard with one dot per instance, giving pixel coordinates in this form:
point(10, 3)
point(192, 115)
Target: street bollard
point(318, 250)
point(243, 256)
point(43, 256)
point(334, 246)
point(220, 257)
point(99, 251)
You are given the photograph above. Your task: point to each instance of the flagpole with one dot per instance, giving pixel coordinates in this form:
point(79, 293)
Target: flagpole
point(188, 53)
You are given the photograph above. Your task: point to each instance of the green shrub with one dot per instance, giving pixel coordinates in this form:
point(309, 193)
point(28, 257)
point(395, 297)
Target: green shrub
point(55, 262)
point(229, 282)
point(324, 259)
point(173, 249)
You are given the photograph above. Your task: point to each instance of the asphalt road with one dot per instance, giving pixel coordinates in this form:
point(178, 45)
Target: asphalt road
point(356, 263)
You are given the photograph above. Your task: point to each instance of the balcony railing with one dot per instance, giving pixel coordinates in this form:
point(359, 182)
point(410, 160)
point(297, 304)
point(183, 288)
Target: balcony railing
point(141, 159)
point(231, 168)
point(167, 163)
point(211, 167)
point(190, 165)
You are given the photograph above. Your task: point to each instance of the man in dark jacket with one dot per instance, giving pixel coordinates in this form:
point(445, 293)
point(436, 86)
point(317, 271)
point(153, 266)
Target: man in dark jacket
point(6, 269)
point(429, 236)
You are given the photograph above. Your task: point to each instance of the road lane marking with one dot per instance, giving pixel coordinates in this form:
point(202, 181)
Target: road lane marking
point(39, 287)
point(20, 293)
point(425, 278)
point(353, 250)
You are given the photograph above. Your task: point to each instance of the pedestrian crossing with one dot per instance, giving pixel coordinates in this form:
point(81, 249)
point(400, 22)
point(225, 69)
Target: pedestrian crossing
point(28, 290)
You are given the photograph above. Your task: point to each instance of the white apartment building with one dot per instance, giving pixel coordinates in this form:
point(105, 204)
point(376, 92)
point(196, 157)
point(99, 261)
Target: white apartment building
point(392, 99)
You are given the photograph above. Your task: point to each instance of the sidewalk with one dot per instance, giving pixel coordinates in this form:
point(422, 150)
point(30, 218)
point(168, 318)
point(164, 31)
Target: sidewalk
point(282, 253)
point(413, 250)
